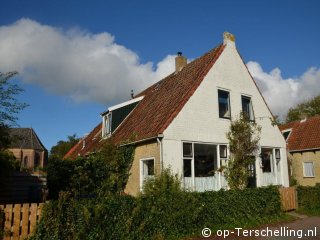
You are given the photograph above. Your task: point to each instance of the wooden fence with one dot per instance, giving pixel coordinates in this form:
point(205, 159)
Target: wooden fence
point(288, 198)
point(20, 219)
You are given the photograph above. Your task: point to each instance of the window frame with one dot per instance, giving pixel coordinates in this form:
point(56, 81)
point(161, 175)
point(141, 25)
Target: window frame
point(228, 104)
point(142, 176)
point(304, 169)
point(251, 112)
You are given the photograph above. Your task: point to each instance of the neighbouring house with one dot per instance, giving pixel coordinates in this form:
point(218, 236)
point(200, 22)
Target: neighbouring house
point(27, 148)
point(181, 122)
point(303, 143)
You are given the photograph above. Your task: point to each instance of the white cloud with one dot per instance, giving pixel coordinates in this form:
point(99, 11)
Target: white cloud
point(80, 64)
point(280, 93)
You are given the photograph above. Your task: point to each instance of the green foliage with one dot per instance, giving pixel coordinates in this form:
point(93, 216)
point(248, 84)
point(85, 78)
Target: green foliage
point(170, 215)
point(99, 174)
point(243, 139)
point(163, 183)
point(309, 199)
point(308, 108)
point(62, 147)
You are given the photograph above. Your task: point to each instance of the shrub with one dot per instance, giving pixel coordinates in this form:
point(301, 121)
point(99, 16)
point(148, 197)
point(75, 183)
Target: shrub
point(163, 183)
point(165, 215)
point(309, 199)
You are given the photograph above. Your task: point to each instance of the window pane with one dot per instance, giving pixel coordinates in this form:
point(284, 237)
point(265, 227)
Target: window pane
point(223, 151)
point(148, 168)
point(187, 149)
point(187, 167)
point(224, 104)
point(205, 160)
point(278, 154)
point(308, 169)
point(286, 134)
point(266, 161)
point(247, 107)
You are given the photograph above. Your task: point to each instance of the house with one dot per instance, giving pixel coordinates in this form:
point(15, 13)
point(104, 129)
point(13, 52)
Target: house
point(27, 148)
point(303, 143)
point(181, 122)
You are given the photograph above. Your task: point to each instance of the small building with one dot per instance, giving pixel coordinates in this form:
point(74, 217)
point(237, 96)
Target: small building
point(181, 122)
point(27, 148)
point(303, 143)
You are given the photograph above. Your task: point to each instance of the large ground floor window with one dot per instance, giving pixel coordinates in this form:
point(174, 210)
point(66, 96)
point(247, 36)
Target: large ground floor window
point(201, 163)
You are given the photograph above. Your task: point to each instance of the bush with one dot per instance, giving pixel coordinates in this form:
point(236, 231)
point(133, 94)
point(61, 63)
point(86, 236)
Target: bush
point(309, 199)
point(99, 174)
point(165, 215)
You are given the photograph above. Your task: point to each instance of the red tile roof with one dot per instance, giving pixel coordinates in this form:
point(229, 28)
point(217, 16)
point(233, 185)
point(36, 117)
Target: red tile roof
point(87, 144)
point(304, 134)
point(160, 105)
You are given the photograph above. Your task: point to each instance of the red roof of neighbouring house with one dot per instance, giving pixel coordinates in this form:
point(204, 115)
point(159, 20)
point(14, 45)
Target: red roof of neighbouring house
point(305, 134)
point(160, 105)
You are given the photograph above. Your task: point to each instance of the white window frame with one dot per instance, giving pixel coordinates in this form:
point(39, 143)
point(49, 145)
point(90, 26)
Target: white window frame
point(106, 131)
point(229, 104)
point(251, 112)
point(142, 176)
point(287, 130)
point(304, 170)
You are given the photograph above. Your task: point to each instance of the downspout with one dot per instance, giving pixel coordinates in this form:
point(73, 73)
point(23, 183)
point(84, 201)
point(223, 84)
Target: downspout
point(159, 140)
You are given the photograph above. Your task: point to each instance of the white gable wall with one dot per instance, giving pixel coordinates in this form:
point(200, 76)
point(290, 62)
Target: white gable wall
point(199, 119)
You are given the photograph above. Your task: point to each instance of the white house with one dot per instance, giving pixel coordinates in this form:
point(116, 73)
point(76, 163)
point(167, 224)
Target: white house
point(181, 122)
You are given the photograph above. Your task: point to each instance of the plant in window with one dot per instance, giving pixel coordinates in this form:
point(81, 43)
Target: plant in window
point(243, 136)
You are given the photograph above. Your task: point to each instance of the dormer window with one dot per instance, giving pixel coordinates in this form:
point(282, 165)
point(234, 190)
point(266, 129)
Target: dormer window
point(286, 134)
point(115, 115)
point(107, 125)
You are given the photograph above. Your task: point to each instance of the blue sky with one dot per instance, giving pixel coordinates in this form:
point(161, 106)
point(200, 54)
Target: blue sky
point(76, 58)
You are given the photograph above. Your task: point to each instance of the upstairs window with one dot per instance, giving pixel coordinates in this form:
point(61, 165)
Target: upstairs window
point(286, 134)
point(247, 107)
point(224, 104)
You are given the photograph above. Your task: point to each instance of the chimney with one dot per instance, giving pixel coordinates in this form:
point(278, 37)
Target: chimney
point(181, 61)
point(229, 39)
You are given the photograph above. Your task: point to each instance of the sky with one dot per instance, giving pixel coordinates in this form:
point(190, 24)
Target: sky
point(77, 58)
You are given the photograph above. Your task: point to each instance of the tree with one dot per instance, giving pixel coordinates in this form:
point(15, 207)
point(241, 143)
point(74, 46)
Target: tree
point(243, 136)
point(308, 108)
point(62, 147)
point(9, 108)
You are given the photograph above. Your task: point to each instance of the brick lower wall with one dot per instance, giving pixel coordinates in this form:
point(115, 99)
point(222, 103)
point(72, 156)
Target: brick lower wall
point(297, 167)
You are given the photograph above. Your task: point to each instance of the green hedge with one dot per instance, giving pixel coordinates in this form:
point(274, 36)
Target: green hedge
point(163, 216)
point(309, 199)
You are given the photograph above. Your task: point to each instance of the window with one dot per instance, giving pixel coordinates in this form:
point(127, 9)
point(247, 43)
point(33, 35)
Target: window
point(146, 169)
point(308, 170)
point(266, 160)
point(223, 155)
point(286, 134)
point(224, 104)
point(277, 153)
point(247, 107)
point(204, 158)
point(107, 125)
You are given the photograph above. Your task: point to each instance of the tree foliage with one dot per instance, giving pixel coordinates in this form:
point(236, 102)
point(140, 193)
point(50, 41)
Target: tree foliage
point(308, 108)
point(243, 136)
point(62, 147)
point(9, 105)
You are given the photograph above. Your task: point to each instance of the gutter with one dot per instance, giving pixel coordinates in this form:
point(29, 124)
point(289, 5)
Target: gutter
point(303, 150)
point(142, 140)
